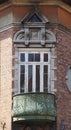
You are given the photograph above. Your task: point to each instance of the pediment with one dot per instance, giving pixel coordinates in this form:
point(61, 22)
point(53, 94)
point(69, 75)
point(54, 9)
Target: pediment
point(34, 33)
point(34, 16)
point(34, 37)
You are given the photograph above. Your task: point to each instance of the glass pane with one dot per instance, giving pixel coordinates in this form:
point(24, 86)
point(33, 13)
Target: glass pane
point(31, 57)
point(22, 78)
point(30, 78)
point(35, 18)
point(37, 78)
point(37, 57)
point(45, 57)
point(45, 78)
point(22, 57)
point(34, 57)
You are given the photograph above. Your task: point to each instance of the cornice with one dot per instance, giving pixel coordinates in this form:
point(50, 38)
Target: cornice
point(58, 3)
point(51, 25)
point(5, 5)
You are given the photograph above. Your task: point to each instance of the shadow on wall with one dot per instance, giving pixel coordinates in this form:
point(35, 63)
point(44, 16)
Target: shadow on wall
point(35, 2)
point(2, 1)
point(67, 2)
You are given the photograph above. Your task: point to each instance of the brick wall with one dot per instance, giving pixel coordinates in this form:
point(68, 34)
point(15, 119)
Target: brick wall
point(63, 96)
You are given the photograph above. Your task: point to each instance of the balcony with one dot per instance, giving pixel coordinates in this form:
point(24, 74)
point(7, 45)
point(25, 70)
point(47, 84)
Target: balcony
point(34, 107)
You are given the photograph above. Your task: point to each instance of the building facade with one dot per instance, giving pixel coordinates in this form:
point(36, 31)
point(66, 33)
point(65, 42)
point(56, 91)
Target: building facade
point(35, 65)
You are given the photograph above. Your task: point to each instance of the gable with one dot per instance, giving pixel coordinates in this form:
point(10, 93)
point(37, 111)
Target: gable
point(34, 16)
point(34, 33)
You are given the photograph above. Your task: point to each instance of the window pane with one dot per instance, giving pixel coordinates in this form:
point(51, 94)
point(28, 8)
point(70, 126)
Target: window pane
point(35, 18)
point(30, 78)
point(31, 57)
point(37, 57)
point(34, 57)
point(22, 78)
point(22, 57)
point(45, 78)
point(45, 57)
point(37, 78)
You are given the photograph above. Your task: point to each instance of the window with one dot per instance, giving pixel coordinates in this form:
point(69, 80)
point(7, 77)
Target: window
point(34, 18)
point(34, 71)
point(68, 78)
point(34, 55)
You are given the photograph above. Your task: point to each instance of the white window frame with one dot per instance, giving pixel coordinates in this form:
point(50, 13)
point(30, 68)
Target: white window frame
point(33, 50)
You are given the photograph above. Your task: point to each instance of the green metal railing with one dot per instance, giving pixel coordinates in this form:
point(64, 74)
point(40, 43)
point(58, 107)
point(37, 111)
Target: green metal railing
point(34, 106)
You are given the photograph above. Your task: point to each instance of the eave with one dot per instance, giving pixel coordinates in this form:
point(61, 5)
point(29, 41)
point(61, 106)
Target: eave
point(68, 2)
point(61, 9)
point(65, 4)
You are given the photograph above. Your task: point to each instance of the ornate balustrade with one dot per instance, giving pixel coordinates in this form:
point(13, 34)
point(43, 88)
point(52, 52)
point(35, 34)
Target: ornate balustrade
point(34, 107)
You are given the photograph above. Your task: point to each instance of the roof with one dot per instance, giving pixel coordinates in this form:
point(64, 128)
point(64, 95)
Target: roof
point(3, 1)
point(65, 1)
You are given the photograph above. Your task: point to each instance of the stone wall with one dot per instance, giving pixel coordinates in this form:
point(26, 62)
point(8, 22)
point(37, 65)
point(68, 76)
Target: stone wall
point(6, 79)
